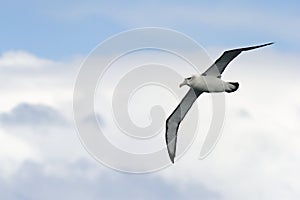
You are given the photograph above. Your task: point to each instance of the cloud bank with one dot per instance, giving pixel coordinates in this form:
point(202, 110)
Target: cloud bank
point(256, 158)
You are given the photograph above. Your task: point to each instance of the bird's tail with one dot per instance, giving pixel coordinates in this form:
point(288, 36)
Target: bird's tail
point(231, 86)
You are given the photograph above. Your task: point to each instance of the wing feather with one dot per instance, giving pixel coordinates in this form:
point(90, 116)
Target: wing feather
point(220, 64)
point(173, 121)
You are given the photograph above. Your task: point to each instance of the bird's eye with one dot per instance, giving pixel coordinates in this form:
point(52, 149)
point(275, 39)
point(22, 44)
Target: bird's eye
point(189, 78)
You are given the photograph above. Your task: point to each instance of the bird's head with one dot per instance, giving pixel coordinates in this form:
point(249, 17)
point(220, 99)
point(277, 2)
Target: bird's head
point(188, 81)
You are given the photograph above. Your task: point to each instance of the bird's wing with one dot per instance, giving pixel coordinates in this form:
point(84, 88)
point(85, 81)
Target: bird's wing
point(219, 65)
point(173, 121)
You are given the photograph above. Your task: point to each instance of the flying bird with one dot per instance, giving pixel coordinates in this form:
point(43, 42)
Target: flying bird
point(210, 81)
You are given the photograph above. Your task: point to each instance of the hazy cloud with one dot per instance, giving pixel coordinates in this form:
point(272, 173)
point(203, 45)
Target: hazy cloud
point(22, 59)
point(254, 159)
point(32, 115)
point(31, 182)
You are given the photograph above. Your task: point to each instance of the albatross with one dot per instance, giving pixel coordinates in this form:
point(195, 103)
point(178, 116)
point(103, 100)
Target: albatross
point(210, 81)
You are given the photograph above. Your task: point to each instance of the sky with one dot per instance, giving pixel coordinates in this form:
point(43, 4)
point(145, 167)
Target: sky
point(43, 44)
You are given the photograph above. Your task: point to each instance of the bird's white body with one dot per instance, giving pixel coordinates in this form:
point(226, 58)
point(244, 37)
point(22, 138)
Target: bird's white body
point(209, 84)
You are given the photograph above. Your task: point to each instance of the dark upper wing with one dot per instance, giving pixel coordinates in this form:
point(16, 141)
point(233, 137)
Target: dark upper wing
point(173, 121)
point(219, 65)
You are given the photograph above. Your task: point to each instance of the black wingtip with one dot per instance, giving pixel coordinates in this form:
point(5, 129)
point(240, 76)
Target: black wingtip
point(262, 45)
point(255, 47)
point(267, 44)
point(172, 160)
point(171, 156)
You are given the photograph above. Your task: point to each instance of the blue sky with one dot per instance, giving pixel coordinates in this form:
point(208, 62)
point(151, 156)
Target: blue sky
point(42, 45)
point(58, 30)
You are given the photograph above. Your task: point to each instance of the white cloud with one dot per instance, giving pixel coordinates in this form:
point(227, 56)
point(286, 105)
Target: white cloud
point(256, 158)
point(36, 111)
point(26, 78)
point(14, 152)
point(22, 59)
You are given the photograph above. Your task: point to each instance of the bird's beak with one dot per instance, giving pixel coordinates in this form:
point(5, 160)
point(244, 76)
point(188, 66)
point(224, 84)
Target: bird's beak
point(183, 83)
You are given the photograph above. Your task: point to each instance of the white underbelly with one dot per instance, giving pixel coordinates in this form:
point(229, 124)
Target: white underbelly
point(210, 84)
